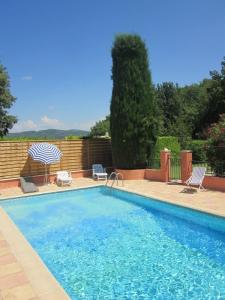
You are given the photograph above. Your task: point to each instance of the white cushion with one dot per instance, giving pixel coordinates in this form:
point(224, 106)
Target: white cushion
point(101, 174)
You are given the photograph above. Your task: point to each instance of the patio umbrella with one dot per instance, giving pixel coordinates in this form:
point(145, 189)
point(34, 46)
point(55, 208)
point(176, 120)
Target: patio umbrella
point(45, 153)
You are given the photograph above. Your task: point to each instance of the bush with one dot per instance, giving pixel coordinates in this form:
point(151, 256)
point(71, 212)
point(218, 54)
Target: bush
point(198, 148)
point(132, 122)
point(215, 150)
point(101, 128)
point(72, 137)
point(169, 142)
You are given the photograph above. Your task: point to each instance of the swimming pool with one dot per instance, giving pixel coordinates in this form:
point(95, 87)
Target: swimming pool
point(102, 243)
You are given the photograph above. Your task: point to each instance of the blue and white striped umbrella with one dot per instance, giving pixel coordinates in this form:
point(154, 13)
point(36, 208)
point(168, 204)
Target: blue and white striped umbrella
point(45, 153)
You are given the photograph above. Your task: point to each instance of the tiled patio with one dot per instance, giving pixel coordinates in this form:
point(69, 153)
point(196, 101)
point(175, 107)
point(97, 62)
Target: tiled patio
point(23, 276)
point(14, 283)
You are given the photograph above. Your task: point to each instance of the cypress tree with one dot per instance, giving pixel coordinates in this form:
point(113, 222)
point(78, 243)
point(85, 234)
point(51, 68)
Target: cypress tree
point(132, 124)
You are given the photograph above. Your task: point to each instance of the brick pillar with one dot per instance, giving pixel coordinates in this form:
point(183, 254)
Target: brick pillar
point(186, 164)
point(165, 165)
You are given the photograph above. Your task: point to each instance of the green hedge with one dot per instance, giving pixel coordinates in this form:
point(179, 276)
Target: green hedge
point(72, 137)
point(198, 150)
point(169, 142)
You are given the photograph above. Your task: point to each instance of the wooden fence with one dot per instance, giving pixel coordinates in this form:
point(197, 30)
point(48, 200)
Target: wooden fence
point(77, 155)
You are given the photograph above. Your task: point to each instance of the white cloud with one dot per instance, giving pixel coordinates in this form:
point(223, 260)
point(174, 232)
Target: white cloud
point(24, 126)
point(46, 121)
point(27, 77)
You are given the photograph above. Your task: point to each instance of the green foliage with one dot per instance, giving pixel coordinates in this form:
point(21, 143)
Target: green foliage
point(169, 142)
point(216, 147)
point(169, 106)
point(194, 100)
point(181, 109)
point(6, 101)
point(188, 111)
point(72, 137)
point(132, 122)
point(198, 148)
point(101, 128)
point(216, 95)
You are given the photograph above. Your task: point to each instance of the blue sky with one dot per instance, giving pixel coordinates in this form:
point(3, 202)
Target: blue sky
point(58, 53)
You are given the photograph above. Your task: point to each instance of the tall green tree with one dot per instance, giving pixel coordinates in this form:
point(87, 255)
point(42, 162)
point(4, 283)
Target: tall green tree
point(181, 109)
point(195, 101)
point(101, 127)
point(132, 123)
point(169, 105)
point(216, 95)
point(6, 101)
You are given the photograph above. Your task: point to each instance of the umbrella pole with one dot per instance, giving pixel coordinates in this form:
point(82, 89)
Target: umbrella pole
point(46, 176)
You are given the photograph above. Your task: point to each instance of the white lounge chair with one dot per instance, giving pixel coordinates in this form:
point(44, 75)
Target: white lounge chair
point(63, 178)
point(197, 177)
point(98, 172)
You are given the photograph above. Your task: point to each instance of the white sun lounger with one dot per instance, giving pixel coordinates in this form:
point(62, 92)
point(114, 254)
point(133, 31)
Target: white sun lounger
point(63, 178)
point(197, 177)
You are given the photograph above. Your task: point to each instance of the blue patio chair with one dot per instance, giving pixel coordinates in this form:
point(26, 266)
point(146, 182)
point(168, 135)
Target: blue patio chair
point(98, 172)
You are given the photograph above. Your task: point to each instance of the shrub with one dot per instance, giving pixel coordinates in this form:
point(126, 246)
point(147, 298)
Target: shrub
point(198, 148)
point(215, 150)
point(169, 142)
point(101, 128)
point(72, 137)
point(132, 122)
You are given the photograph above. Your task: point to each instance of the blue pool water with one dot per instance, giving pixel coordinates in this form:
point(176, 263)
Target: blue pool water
point(107, 244)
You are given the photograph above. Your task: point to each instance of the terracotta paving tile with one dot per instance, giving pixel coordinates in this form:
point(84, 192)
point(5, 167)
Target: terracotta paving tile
point(7, 259)
point(13, 280)
point(9, 269)
point(4, 251)
point(51, 296)
point(3, 243)
point(23, 292)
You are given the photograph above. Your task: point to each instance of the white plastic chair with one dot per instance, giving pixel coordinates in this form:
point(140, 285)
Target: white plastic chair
point(98, 172)
point(63, 178)
point(197, 177)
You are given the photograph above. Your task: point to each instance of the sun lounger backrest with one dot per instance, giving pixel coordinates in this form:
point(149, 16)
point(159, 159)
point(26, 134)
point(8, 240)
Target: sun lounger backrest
point(198, 174)
point(62, 174)
point(97, 168)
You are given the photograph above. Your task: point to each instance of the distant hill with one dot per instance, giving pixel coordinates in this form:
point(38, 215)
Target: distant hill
point(48, 133)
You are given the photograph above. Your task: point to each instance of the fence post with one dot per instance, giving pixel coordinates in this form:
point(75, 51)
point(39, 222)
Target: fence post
point(186, 165)
point(165, 164)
